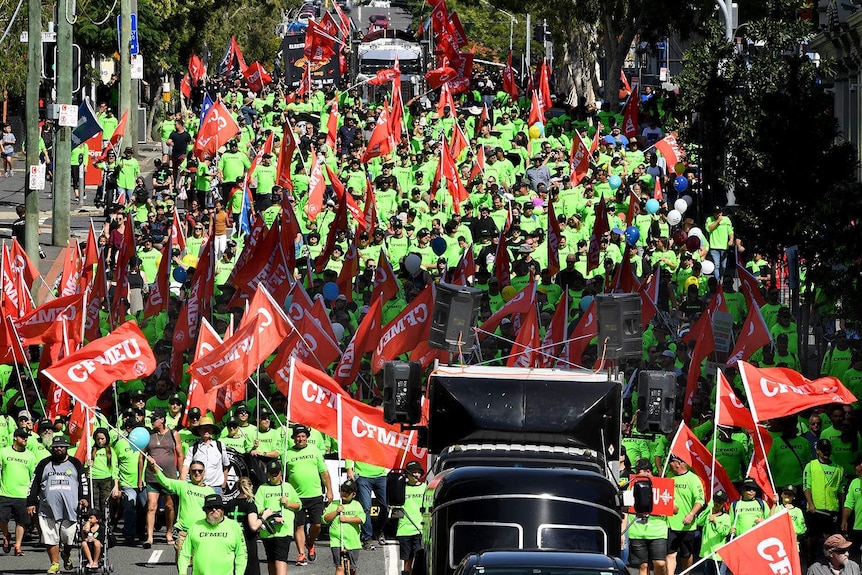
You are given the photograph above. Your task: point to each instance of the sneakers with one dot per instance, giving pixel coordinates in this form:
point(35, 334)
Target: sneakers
point(301, 560)
point(7, 546)
point(67, 562)
point(381, 539)
point(312, 554)
point(368, 545)
point(54, 568)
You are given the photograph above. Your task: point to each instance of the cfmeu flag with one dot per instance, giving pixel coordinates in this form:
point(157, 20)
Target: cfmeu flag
point(217, 128)
point(88, 125)
point(770, 547)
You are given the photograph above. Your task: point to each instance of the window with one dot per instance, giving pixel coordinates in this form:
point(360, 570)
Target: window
point(573, 538)
point(470, 537)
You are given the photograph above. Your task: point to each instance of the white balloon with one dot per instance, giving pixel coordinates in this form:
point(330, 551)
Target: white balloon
point(412, 263)
point(680, 206)
point(338, 329)
point(687, 199)
point(697, 232)
point(674, 217)
point(707, 267)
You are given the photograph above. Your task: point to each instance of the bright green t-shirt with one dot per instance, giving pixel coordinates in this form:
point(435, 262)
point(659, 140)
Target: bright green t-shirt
point(303, 470)
point(16, 472)
point(743, 514)
point(345, 535)
point(688, 492)
point(218, 549)
point(852, 501)
point(127, 462)
point(411, 523)
point(191, 499)
point(269, 497)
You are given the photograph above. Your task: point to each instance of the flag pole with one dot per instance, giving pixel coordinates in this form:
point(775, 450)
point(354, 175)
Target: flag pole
point(667, 461)
point(715, 436)
point(27, 363)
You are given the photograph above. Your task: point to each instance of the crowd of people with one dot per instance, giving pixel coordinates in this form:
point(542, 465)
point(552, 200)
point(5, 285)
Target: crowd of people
point(520, 188)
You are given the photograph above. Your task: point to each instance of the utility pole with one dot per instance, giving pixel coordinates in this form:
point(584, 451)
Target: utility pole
point(31, 114)
point(128, 100)
point(63, 140)
point(527, 53)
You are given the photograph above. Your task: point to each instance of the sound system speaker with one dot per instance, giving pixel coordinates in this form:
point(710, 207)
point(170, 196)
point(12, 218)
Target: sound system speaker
point(643, 495)
point(396, 488)
point(402, 392)
point(456, 313)
point(656, 401)
point(619, 319)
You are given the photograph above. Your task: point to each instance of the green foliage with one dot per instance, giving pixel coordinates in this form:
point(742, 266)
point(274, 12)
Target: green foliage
point(13, 53)
point(766, 128)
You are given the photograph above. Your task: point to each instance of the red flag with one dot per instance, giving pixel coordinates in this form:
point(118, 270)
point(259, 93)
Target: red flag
point(120, 130)
point(625, 81)
point(208, 340)
point(22, 264)
point(404, 332)
point(657, 192)
point(630, 115)
point(703, 348)
point(98, 294)
point(16, 292)
point(556, 334)
point(261, 331)
point(459, 142)
point(759, 468)
point(366, 437)
point(446, 99)
point(339, 223)
point(600, 228)
point(365, 339)
point(319, 46)
point(466, 268)
point(750, 285)
point(520, 304)
point(237, 53)
point(186, 87)
point(343, 196)
point(315, 343)
point(688, 447)
point(380, 142)
point(53, 321)
point(349, 270)
point(544, 88)
point(370, 219)
point(649, 296)
point(440, 76)
point(257, 268)
point(344, 21)
point(197, 70)
point(91, 258)
point(537, 111)
point(510, 86)
point(285, 158)
point(311, 396)
point(160, 292)
point(330, 25)
point(332, 125)
point(256, 77)
point(480, 121)
point(80, 432)
point(624, 280)
point(385, 284)
point(554, 235)
point(525, 350)
point(70, 280)
point(770, 547)
point(384, 77)
point(316, 188)
point(634, 208)
point(199, 302)
point(730, 410)
point(670, 150)
point(217, 128)
point(584, 332)
point(778, 391)
point(178, 234)
point(753, 336)
point(579, 160)
point(502, 262)
point(454, 185)
point(396, 118)
point(478, 163)
point(123, 354)
point(439, 15)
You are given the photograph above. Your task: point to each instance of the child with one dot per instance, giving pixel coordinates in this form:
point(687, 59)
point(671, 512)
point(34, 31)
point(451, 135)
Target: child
point(716, 527)
point(94, 537)
point(410, 525)
point(345, 519)
point(788, 496)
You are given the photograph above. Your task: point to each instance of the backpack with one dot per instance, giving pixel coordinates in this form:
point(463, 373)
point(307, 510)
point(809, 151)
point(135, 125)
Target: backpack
point(196, 445)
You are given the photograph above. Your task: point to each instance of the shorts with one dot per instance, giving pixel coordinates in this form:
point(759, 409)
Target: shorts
point(352, 553)
point(277, 548)
point(157, 488)
point(6, 155)
point(645, 550)
point(166, 149)
point(409, 546)
point(12, 508)
point(56, 532)
point(681, 543)
point(311, 512)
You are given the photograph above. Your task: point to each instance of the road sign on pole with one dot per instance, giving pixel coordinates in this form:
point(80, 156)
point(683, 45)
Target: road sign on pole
point(134, 47)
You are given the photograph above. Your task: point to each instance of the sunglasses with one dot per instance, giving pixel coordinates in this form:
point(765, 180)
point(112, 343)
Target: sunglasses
point(196, 471)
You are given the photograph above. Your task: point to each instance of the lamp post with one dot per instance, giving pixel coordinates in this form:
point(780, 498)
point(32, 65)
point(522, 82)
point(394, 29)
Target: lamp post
point(512, 21)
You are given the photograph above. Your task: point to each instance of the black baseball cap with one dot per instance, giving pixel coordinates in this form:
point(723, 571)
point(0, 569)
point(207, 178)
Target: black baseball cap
point(349, 486)
point(273, 467)
point(195, 413)
point(300, 429)
point(414, 466)
point(213, 501)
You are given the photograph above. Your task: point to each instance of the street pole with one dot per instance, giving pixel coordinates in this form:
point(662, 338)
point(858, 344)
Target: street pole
point(527, 51)
point(31, 113)
point(63, 140)
point(726, 11)
point(127, 99)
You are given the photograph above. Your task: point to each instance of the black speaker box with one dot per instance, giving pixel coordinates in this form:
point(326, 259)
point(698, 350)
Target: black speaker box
point(619, 318)
point(456, 313)
point(402, 392)
point(656, 401)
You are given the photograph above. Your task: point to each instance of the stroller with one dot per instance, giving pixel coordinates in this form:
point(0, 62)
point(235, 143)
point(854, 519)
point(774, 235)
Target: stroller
point(101, 535)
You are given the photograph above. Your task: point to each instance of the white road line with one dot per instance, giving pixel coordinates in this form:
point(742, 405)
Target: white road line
point(391, 560)
point(155, 556)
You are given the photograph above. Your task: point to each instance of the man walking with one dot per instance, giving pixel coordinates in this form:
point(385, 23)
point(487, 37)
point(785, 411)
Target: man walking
point(215, 545)
point(16, 473)
point(305, 470)
point(59, 488)
point(211, 453)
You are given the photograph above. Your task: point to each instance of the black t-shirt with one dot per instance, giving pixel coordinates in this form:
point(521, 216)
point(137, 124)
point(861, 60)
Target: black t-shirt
point(180, 143)
point(239, 509)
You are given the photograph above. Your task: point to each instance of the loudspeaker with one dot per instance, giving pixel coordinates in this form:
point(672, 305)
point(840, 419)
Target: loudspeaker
point(456, 313)
point(396, 488)
point(619, 318)
point(643, 495)
point(402, 392)
point(656, 401)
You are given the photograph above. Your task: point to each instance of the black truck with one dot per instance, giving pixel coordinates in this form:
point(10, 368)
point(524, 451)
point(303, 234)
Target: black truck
point(527, 459)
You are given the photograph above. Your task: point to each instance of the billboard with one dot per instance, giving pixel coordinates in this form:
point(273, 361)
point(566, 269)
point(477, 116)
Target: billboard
point(293, 61)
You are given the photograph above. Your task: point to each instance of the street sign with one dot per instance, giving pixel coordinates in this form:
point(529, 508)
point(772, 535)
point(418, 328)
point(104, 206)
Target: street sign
point(137, 71)
point(46, 37)
point(722, 330)
point(37, 177)
point(68, 116)
point(134, 47)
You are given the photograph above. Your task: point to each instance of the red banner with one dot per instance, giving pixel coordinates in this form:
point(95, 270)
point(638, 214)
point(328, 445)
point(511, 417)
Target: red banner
point(440, 76)
point(256, 77)
point(124, 354)
point(405, 331)
point(778, 391)
point(53, 321)
point(769, 547)
point(524, 352)
point(688, 447)
point(208, 340)
point(630, 115)
point(729, 409)
point(216, 129)
point(662, 494)
point(363, 340)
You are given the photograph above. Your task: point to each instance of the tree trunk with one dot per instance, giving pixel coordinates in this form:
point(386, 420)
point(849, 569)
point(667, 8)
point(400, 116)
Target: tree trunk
point(577, 69)
point(616, 44)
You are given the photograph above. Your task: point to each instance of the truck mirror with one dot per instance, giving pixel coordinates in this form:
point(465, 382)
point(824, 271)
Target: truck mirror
point(396, 488)
point(642, 491)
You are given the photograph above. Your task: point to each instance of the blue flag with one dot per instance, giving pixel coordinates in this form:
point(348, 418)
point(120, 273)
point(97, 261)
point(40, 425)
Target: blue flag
point(205, 107)
point(88, 125)
point(245, 213)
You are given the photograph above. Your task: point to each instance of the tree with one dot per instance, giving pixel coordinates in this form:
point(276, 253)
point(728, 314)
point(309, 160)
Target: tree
point(766, 133)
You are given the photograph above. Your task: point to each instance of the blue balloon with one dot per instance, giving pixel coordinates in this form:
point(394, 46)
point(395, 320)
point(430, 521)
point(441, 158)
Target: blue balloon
point(652, 206)
point(438, 246)
point(680, 184)
point(585, 302)
point(632, 235)
point(330, 291)
point(615, 182)
point(180, 274)
point(140, 438)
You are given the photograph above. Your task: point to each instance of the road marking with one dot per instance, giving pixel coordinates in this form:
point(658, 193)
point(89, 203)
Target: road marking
point(155, 556)
point(391, 559)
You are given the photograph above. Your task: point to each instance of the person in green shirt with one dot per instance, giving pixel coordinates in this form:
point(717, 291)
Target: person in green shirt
point(80, 158)
point(345, 519)
point(129, 487)
point(231, 436)
point(715, 527)
point(103, 470)
point(797, 517)
point(853, 504)
point(409, 533)
point(821, 483)
point(277, 496)
point(748, 511)
point(17, 465)
point(306, 469)
point(216, 544)
point(688, 499)
point(647, 538)
point(129, 170)
point(369, 478)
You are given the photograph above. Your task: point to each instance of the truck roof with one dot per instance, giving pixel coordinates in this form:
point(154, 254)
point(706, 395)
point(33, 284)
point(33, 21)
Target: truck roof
point(522, 374)
point(544, 558)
